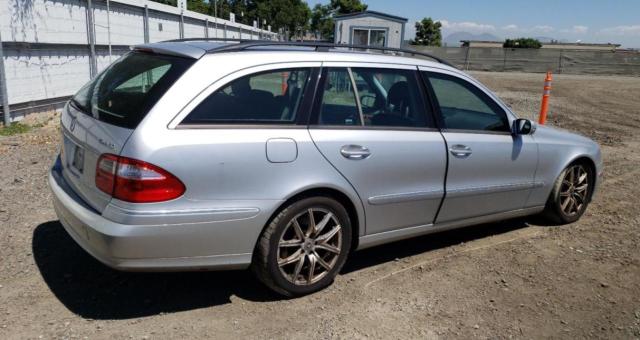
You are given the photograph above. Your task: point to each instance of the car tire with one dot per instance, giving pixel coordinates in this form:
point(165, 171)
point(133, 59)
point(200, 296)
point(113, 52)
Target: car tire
point(571, 194)
point(297, 255)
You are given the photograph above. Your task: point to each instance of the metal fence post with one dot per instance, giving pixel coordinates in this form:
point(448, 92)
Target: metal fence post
point(466, 58)
point(91, 35)
point(6, 111)
point(109, 30)
point(206, 28)
point(181, 24)
point(560, 62)
point(145, 24)
point(504, 59)
point(215, 23)
point(224, 32)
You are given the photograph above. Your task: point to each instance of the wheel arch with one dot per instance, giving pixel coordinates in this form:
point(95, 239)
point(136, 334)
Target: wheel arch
point(352, 205)
point(588, 161)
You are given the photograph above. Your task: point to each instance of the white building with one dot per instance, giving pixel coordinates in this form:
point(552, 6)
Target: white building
point(370, 28)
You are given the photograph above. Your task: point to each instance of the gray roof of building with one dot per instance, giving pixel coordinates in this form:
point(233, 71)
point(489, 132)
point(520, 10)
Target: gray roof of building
point(371, 14)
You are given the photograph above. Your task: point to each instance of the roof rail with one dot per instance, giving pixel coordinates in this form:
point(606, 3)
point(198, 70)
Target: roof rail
point(319, 46)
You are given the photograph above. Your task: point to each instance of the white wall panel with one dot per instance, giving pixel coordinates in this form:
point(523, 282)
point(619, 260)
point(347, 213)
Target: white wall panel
point(193, 28)
point(55, 61)
point(163, 26)
point(127, 24)
point(44, 21)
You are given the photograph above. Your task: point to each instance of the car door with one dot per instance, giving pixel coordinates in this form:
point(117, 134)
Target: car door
point(490, 169)
point(371, 123)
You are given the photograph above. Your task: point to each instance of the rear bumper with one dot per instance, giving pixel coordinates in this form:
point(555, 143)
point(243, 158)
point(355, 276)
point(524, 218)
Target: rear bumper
point(149, 248)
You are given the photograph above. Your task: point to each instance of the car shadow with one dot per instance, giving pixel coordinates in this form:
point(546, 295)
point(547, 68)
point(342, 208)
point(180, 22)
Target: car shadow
point(414, 246)
point(92, 290)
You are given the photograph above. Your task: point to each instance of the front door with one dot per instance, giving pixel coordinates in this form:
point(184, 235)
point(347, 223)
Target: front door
point(372, 125)
point(490, 170)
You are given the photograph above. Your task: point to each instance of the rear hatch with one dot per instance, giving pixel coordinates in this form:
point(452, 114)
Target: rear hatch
point(104, 113)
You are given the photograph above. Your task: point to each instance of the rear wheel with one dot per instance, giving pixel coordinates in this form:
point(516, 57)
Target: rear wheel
point(304, 247)
point(571, 194)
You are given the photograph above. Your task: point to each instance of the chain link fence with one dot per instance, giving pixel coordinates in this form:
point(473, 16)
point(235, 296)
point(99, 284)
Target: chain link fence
point(539, 60)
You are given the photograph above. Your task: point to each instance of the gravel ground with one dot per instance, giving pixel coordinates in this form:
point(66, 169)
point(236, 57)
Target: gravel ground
point(517, 278)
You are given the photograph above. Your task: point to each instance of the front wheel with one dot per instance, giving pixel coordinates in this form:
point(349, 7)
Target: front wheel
point(570, 195)
point(304, 247)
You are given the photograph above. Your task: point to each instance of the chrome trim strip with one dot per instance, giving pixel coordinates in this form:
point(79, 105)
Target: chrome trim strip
point(405, 197)
point(177, 217)
point(492, 189)
point(215, 211)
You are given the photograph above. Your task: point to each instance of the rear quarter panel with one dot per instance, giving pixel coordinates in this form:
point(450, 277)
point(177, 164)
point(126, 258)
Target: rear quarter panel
point(226, 173)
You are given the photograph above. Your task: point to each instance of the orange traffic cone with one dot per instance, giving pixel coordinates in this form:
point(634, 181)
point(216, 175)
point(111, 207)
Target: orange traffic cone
point(545, 99)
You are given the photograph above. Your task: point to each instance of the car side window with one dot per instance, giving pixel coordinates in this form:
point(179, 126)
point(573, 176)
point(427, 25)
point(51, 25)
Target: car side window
point(265, 97)
point(390, 97)
point(465, 107)
point(338, 106)
point(381, 97)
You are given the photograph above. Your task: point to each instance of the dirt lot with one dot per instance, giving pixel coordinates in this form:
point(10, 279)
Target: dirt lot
point(513, 279)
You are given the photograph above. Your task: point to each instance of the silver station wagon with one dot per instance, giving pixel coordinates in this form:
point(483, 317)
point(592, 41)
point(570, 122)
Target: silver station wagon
point(286, 157)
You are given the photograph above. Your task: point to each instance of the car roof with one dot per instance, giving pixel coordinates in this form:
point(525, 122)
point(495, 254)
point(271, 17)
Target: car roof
point(197, 48)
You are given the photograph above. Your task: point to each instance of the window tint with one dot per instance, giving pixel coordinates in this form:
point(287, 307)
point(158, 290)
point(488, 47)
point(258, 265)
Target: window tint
point(338, 106)
point(377, 38)
point(368, 37)
point(267, 97)
point(464, 106)
point(124, 93)
point(390, 97)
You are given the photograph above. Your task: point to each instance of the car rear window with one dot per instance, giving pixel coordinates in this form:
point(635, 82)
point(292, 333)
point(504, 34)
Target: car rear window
point(123, 94)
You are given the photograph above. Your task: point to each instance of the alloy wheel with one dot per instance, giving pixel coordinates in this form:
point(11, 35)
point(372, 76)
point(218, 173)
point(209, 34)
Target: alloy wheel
point(309, 246)
point(574, 190)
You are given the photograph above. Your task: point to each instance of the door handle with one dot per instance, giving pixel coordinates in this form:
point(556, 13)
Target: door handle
point(460, 151)
point(355, 152)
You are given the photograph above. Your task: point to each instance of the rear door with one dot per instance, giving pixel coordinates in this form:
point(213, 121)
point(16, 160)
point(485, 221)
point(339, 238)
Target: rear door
point(102, 115)
point(490, 169)
point(371, 123)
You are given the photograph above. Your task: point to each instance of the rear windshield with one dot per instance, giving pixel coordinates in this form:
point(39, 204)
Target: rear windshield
point(123, 93)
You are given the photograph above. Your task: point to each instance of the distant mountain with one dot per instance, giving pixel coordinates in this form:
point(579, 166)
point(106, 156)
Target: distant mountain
point(453, 39)
point(544, 39)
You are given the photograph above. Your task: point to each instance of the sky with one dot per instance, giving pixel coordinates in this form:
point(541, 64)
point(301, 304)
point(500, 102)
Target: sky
point(590, 21)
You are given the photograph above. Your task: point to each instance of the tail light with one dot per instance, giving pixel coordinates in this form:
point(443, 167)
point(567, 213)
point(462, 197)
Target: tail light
point(136, 181)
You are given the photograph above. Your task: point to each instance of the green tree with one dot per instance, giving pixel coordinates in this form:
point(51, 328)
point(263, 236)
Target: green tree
point(522, 43)
point(322, 15)
point(198, 6)
point(428, 33)
point(292, 15)
point(322, 21)
point(347, 6)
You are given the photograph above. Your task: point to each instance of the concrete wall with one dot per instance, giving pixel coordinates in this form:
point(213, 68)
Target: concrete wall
point(46, 42)
point(344, 29)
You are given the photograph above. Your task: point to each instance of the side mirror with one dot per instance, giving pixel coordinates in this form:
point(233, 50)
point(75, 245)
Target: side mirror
point(523, 127)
